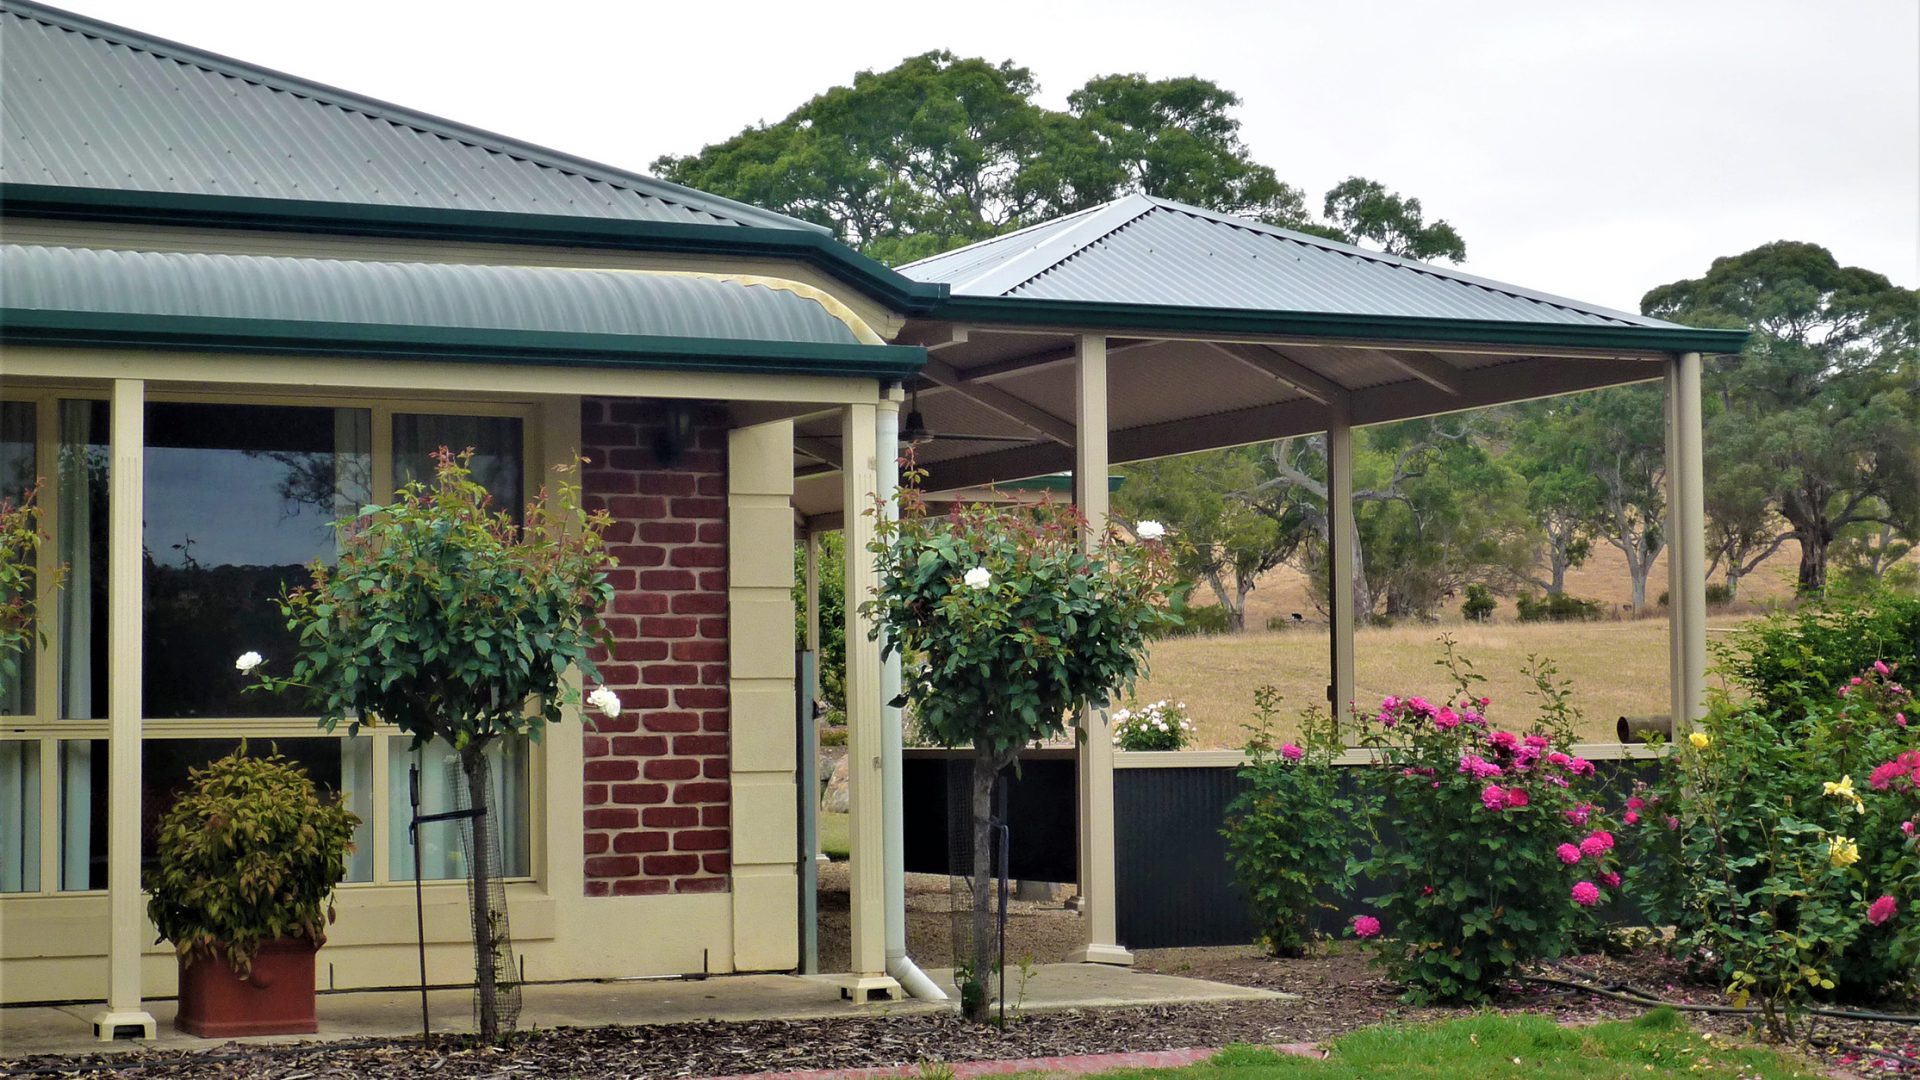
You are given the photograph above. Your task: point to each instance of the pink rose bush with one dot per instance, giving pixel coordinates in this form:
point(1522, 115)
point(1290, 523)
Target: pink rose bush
point(1488, 841)
point(1766, 855)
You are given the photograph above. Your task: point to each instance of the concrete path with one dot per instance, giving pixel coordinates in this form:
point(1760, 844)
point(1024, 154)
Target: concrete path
point(392, 1013)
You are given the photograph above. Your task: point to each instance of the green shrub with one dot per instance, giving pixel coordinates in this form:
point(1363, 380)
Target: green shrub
point(1792, 658)
point(1479, 604)
point(249, 854)
point(1557, 607)
point(1161, 725)
point(1286, 833)
point(1196, 622)
point(1488, 841)
point(1719, 594)
point(1775, 832)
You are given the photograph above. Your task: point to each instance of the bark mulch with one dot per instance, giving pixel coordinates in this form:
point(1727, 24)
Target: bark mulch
point(1339, 992)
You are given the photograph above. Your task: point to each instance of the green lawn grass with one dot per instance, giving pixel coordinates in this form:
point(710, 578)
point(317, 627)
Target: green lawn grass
point(1491, 1046)
point(833, 835)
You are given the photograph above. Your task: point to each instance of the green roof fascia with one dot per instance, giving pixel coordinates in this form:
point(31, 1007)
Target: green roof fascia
point(817, 249)
point(1082, 314)
point(200, 333)
point(1057, 482)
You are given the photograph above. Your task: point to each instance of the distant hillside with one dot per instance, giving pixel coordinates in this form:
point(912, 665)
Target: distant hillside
point(1603, 578)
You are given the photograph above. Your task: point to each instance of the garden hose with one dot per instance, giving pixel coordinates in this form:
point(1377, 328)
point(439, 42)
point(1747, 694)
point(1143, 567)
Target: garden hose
point(1627, 993)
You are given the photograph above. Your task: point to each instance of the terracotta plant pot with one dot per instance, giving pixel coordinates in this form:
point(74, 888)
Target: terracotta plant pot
point(275, 999)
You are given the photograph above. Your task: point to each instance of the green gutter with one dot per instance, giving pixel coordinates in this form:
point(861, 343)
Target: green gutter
point(816, 249)
point(199, 333)
point(1089, 315)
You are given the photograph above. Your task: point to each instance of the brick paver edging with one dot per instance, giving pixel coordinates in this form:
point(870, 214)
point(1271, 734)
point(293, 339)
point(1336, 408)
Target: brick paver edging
point(1071, 1065)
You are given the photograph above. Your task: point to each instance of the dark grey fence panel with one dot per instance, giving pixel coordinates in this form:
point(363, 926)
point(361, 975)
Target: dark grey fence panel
point(1173, 888)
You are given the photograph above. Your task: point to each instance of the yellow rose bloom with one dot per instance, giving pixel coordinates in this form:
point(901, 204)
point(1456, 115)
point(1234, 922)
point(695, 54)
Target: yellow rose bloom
point(1842, 851)
point(1844, 790)
point(1699, 740)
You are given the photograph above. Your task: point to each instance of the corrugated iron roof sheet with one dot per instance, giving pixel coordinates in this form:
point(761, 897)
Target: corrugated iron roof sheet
point(92, 105)
point(1143, 250)
point(531, 298)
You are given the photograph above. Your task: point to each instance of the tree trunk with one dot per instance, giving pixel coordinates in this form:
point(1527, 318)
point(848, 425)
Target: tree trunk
point(1559, 583)
point(473, 763)
point(1638, 571)
point(1733, 580)
point(1813, 561)
point(973, 991)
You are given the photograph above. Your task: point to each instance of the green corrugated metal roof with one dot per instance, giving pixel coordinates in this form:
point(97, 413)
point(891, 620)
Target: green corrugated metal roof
point(275, 303)
point(93, 105)
point(1148, 251)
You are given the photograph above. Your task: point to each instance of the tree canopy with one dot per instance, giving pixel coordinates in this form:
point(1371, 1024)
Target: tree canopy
point(1822, 409)
point(941, 151)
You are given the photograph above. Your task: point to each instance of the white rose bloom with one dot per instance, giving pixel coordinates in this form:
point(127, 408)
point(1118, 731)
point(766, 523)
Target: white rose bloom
point(248, 661)
point(1150, 530)
point(606, 701)
point(978, 578)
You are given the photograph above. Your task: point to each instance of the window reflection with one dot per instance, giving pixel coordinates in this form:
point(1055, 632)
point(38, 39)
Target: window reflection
point(17, 475)
point(495, 441)
point(239, 500)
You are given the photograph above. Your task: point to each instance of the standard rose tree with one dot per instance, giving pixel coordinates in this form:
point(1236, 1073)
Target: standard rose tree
point(446, 619)
point(1006, 626)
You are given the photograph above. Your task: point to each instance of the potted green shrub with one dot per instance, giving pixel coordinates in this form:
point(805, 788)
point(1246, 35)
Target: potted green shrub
point(242, 887)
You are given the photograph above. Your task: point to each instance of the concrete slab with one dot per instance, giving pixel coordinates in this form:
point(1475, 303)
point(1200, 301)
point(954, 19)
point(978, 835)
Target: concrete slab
point(379, 1014)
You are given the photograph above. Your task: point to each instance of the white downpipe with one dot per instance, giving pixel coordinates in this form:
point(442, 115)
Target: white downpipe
point(893, 859)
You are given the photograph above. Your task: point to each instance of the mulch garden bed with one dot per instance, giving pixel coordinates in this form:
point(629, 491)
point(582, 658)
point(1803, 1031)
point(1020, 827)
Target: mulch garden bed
point(1338, 993)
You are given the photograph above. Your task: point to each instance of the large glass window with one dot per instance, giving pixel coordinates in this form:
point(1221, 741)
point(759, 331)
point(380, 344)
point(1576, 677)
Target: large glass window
point(19, 816)
point(85, 461)
point(239, 500)
point(18, 471)
point(494, 440)
point(440, 773)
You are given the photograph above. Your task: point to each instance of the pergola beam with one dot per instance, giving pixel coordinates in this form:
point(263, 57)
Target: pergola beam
point(824, 451)
point(1274, 364)
point(1277, 420)
point(1428, 368)
point(1029, 416)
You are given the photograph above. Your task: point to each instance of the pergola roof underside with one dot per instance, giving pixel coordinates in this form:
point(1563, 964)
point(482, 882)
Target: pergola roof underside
point(1178, 396)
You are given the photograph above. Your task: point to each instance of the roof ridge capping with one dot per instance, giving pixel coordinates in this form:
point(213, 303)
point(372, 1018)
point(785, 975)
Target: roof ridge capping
point(1414, 265)
point(426, 123)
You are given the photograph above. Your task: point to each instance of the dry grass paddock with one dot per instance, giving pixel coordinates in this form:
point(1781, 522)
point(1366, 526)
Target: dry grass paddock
point(1616, 669)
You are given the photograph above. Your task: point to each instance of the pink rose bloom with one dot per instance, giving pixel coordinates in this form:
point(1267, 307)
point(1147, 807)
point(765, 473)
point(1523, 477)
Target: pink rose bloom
point(1558, 781)
point(1568, 854)
point(1420, 706)
point(1446, 719)
point(1881, 667)
point(1842, 691)
point(1578, 815)
point(1580, 767)
point(1493, 797)
point(1900, 718)
point(1389, 703)
point(1855, 681)
point(1882, 909)
point(1516, 797)
point(1559, 759)
point(1612, 878)
point(1586, 893)
point(1292, 752)
point(1484, 702)
point(1636, 803)
point(1632, 817)
point(1505, 740)
point(1538, 742)
point(1366, 926)
point(1672, 823)
point(1883, 775)
point(1595, 846)
point(1907, 827)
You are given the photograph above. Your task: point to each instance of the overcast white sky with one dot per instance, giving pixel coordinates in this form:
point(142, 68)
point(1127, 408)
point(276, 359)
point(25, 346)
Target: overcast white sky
point(1593, 150)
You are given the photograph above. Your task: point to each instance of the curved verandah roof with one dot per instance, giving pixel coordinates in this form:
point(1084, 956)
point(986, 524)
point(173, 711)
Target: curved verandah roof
point(1223, 331)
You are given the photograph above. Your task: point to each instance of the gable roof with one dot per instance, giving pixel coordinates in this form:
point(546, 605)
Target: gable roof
point(1141, 250)
point(91, 105)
